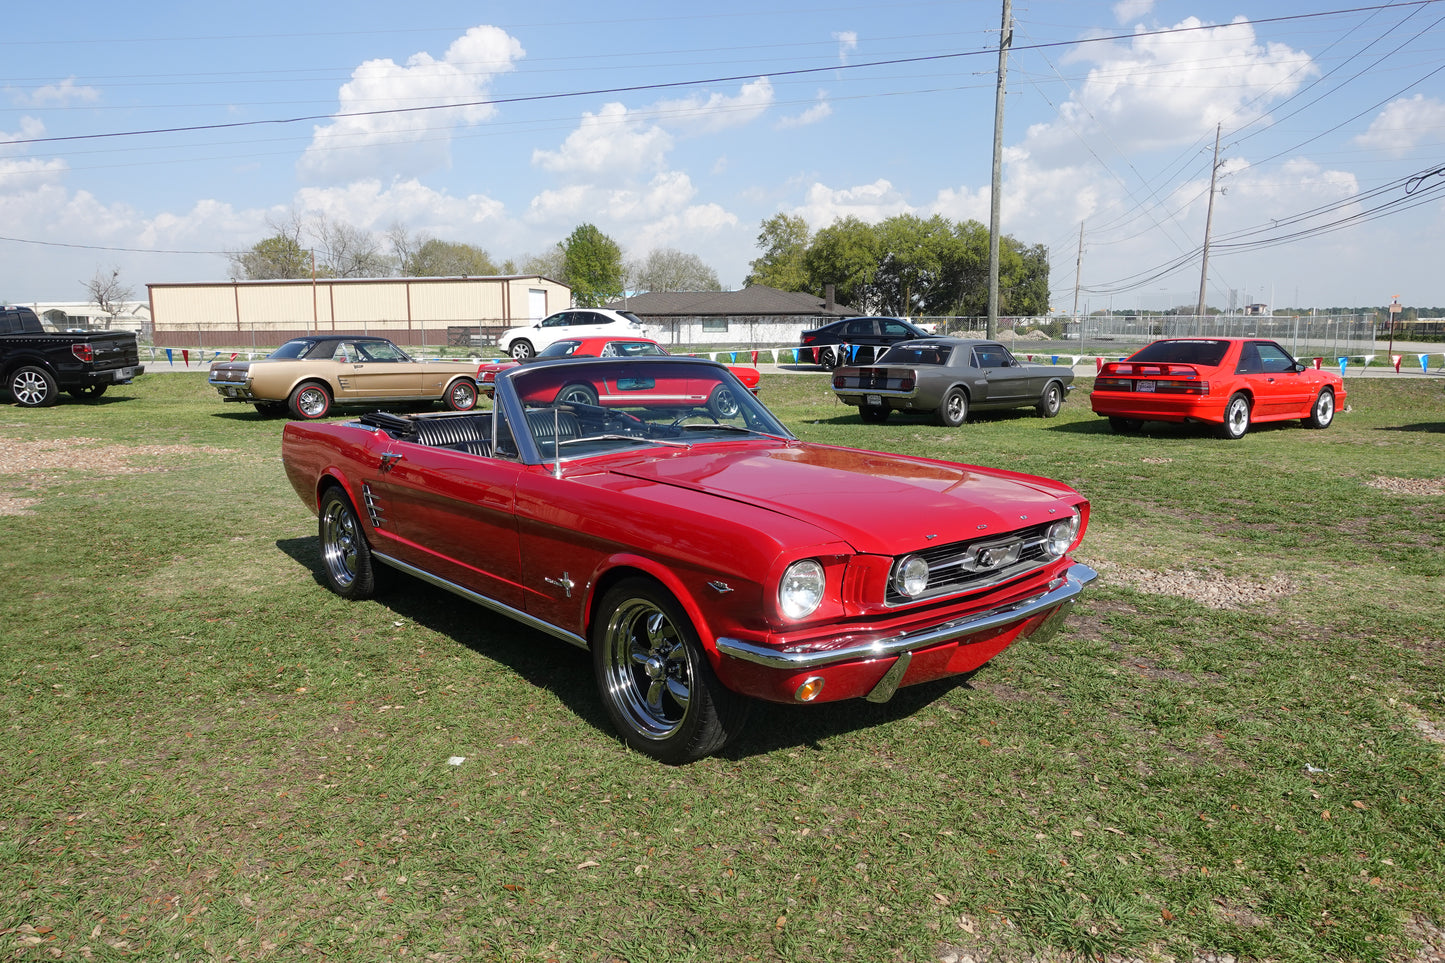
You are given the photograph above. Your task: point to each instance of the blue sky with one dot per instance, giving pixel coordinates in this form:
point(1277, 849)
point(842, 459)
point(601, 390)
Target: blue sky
point(151, 138)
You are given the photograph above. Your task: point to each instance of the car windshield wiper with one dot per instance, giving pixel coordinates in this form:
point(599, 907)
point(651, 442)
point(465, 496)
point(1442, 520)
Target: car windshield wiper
point(737, 428)
point(637, 438)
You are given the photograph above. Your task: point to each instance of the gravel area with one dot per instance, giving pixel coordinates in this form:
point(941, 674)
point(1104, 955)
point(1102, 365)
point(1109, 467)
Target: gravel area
point(37, 462)
point(1211, 589)
point(1425, 487)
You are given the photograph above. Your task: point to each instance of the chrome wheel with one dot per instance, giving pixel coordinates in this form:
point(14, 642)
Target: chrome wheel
point(1323, 411)
point(33, 387)
point(648, 673)
point(1052, 400)
point(310, 401)
point(1236, 418)
point(954, 410)
point(340, 536)
point(462, 396)
point(521, 350)
point(723, 403)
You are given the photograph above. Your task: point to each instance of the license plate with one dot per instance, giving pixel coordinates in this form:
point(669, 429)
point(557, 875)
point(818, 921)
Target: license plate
point(1143, 386)
point(875, 401)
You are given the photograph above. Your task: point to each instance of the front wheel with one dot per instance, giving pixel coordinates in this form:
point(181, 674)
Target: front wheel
point(462, 395)
point(1051, 400)
point(1236, 418)
point(346, 559)
point(309, 401)
point(33, 387)
point(521, 349)
point(654, 677)
point(954, 410)
point(723, 403)
point(829, 358)
point(1323, 410)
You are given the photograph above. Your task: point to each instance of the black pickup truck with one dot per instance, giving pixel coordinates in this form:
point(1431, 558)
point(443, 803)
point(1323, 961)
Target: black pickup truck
point(38, 362)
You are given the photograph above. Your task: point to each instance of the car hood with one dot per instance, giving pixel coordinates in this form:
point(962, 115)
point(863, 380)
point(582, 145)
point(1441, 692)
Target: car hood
point(877, 502)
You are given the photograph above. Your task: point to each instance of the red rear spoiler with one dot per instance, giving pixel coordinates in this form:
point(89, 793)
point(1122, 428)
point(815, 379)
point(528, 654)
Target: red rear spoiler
point(1148, 369)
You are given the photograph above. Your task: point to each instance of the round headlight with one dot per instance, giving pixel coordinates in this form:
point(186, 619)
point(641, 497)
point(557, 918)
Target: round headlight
point(801, 590)
point(1062, 535)
point(910, 576)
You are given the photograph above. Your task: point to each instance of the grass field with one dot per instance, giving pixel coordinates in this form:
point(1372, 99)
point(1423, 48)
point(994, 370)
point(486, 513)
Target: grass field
point(1236, 746)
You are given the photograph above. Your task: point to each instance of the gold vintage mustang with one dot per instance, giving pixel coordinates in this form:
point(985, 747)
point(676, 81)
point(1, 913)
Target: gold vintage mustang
point(306, 376)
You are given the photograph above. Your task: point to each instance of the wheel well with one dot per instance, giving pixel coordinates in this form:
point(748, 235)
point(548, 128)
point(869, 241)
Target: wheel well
point(604, 585)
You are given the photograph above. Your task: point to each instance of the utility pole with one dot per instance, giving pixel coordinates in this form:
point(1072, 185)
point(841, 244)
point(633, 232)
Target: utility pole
point(1208, 224)
point(1005, 40)
point(1078, 269)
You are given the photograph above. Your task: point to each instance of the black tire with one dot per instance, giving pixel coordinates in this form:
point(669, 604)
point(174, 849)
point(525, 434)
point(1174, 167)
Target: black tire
point(1051, 400)
point(578, 394)
point(829, 358)
point(723, 402)
point(1322, 413)
point(1236, 417)
point(1124, 426)
point(874, 414)
point(655, 680)
point(953, 411)
point(309, 401)
point(521, 350)
point(33, 387)
point(88, 392)
point(462, 395)
point(346, 562)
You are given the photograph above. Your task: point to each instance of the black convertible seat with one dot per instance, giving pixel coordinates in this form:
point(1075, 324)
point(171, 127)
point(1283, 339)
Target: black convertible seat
point(451, 430)
point(540, 420)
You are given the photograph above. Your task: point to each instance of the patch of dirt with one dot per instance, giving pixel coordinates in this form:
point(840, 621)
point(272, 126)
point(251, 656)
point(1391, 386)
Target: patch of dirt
point(43, 459)
point(1423, 487)
point(1211, 589)
point(13, 505)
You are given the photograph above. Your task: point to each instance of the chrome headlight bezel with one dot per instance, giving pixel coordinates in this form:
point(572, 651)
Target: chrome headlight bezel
point(801, 589)
point(1062, 534)
point(910, 576)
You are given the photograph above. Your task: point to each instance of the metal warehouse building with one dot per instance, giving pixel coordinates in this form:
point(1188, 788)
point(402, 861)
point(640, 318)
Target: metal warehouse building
point(410, 311)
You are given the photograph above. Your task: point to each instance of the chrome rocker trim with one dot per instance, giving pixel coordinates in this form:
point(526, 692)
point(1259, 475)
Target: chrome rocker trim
point(500, 608)
point(1063, 590)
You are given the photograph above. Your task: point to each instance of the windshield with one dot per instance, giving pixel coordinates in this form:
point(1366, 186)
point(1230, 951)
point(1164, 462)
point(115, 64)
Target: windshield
point(591, 406)
point(1183, 351)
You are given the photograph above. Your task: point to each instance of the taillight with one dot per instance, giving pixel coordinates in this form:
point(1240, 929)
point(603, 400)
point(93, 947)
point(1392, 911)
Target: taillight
point(907, 383)
point(83, 352)
point(809, 338)
point(839, 381)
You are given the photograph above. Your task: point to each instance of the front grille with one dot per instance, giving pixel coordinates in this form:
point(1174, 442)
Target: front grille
point(949, 571)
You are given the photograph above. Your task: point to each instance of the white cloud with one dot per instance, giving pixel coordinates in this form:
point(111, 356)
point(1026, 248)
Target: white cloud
point(612, 142)
point(1127, 11)
point(54, 95)
point(1405, 124)
point(819, 111)
point(847, 43)
point(717, 111)
point(30, 128)
point(867, 202)
point(410, 141)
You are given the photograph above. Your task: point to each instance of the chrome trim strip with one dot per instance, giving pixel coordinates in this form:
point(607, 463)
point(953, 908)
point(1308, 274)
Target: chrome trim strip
point(500, 608)
point(1064, 589)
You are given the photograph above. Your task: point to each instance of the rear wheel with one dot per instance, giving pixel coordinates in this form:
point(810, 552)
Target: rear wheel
point(462, 395)
point(654, 677)
point(33, 387)
point(309, 401)
point(346, 559)
point(829, 358)
point(1236, 418)
point(88, 392)
point(1323, 410)
point(1051, 400)
point(954, 410)
point(577, 395)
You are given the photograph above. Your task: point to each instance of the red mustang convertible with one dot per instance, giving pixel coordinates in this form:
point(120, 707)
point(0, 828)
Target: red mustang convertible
point(1227, 382)
point(704, 555)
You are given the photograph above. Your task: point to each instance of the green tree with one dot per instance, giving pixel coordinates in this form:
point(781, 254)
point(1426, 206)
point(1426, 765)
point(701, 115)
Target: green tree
point(276, 257)
point(845, 255)
point(592, 265)
point(915, 257)
point(668, 269)
point(784, 243)
point(446, 259)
